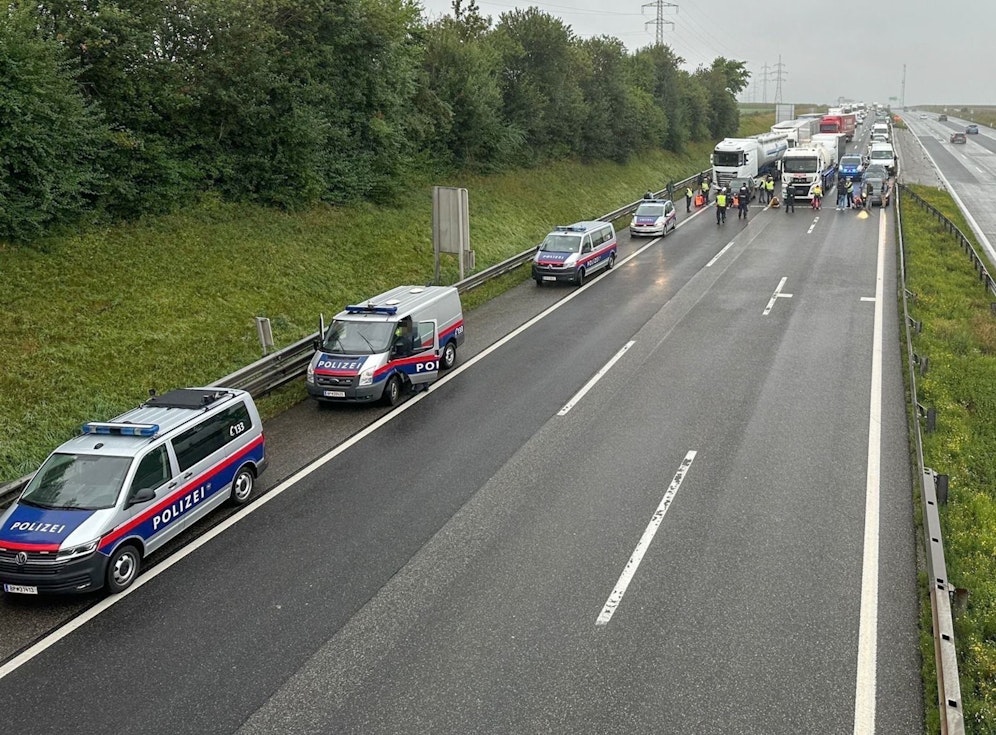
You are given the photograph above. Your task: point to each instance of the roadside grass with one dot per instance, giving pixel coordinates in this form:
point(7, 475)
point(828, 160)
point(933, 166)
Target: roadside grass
point(981, 114)
point(959, 339)
point(90, 322)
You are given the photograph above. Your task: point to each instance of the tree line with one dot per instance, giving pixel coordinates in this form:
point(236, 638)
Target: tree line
point(112, 110)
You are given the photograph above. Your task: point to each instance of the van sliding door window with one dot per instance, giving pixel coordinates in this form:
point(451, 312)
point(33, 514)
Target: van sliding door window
point(211, 435)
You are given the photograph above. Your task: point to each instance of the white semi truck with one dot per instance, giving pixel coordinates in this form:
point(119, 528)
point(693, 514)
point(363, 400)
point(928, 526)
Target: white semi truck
point(798, 132)
point(804, 166)
point(835, 143)
point(741, 158)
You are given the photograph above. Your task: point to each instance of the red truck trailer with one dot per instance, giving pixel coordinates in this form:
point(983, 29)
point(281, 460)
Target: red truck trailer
point(844, 123)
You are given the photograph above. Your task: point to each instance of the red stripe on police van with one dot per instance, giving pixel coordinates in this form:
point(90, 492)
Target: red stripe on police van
point(19, 546)
point(182, 490)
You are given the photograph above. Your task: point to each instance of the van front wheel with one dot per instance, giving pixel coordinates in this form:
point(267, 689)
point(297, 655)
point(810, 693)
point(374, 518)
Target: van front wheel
point(392, 391)
point(122, 568)
point(579, 279)
point(449, 356)
point(242, 486)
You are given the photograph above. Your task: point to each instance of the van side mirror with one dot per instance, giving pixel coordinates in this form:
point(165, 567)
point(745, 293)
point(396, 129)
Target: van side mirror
point(142, 496)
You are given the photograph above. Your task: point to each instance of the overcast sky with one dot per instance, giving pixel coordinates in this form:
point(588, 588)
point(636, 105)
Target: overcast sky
point(845, 48)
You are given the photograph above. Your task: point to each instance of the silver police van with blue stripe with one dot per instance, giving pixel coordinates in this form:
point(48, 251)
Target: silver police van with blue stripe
point(107, 498)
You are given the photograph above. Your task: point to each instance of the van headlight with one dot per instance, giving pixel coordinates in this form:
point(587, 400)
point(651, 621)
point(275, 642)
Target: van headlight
point(77, 552)
point(310, 376)
point(367, 377)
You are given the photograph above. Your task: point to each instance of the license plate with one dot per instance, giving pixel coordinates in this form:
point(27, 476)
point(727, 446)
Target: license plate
point(549, 278)
point(335, 394)
point(20, 589)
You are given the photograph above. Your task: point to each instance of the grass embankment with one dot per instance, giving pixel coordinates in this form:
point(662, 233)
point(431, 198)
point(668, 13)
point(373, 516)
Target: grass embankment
point(90, 323)
point(959, 339)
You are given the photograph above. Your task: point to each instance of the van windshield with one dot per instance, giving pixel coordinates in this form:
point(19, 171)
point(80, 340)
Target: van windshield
point(346, 337)
point(881, 155)
point(83, 481)
point(557, 242)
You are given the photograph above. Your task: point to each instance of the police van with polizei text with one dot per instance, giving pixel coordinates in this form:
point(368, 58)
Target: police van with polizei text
point(573, 252)
point(390, 344)
point(109, 497)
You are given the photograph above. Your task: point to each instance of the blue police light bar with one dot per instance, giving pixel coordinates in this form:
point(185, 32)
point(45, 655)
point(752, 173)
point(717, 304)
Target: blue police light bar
point(371, 309)
point(571, 228)
point(97, 427)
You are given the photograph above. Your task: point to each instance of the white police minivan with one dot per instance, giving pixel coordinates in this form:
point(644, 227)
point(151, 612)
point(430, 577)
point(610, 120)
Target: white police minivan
point(573, 252)
point(106, 499)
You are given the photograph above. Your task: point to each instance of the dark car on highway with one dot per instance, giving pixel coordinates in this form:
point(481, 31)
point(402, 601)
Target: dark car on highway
point(958, 138)
point(878, 177)
point(735, 185)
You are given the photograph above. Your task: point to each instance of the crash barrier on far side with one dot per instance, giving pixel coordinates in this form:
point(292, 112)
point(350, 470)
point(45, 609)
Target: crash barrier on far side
point(933, 485)
point(291, 362)
point(980, 265)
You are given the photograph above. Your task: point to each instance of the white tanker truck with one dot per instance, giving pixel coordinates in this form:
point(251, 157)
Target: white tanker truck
point(740, 158)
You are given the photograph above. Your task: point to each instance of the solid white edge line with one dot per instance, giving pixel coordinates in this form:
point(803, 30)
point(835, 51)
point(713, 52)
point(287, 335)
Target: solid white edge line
point(961, 205)
point(615, 597)
point(866, 677)
point(90, 613)
point(594, 379)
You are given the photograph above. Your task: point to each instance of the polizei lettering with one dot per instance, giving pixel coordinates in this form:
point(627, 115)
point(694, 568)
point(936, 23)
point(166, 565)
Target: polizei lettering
point(178, 508)
point(338, 364)
point(38, 527)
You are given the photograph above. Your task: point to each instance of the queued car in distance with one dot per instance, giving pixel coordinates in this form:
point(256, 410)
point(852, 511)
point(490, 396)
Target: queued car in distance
point(958, 138)
point(736, 184)
point(972, 129)
point(654, 217)
point(573, 252)
point(109, 497)
point(942, 118)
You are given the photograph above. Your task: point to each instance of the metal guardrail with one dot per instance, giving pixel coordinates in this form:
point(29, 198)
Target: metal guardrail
point(945, 655)
point(291, 362)
point(981, 267)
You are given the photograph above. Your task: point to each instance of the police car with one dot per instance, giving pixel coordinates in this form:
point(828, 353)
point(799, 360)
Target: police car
point(573, 252)
point(654, 217)
point(107, 498)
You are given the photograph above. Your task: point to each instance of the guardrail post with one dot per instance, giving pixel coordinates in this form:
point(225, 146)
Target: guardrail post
point(941, 486)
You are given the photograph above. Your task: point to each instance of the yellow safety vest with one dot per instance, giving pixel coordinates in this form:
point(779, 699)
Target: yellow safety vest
point(721, 200)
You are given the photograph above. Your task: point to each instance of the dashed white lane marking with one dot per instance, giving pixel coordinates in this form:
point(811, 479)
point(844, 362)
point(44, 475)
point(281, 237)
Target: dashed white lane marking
point(595, 378)
point(777, 295)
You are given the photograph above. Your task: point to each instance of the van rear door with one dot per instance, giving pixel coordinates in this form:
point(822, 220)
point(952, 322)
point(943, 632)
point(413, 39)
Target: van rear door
point(427, 351)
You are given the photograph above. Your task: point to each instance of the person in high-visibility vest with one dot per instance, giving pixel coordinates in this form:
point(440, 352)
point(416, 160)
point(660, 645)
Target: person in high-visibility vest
point(705, 190)
point(721, 206)
point(688, 199)
point(769, 187)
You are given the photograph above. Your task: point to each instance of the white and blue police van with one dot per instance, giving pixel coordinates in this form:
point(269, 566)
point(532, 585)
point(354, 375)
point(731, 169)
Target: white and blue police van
point(388, 345)
point(573, 252)
point(654, 217)
point(109, 497)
